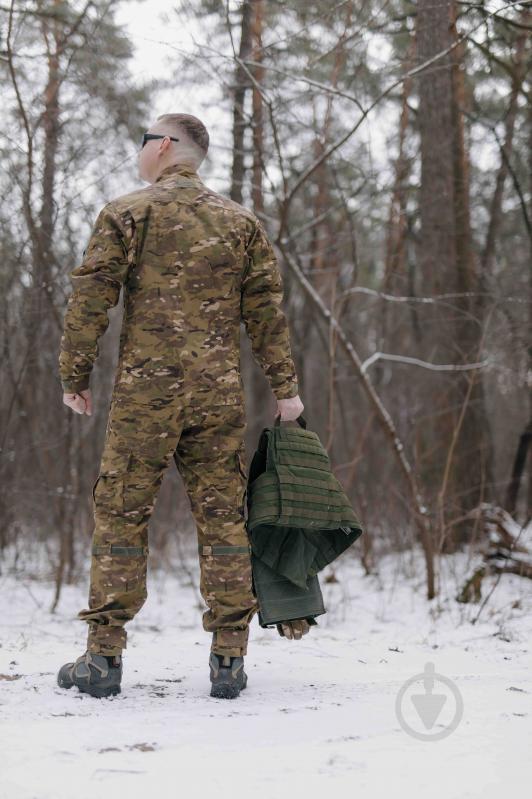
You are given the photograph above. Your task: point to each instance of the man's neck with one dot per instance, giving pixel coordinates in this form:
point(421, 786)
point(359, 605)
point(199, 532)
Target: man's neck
point(180, 168)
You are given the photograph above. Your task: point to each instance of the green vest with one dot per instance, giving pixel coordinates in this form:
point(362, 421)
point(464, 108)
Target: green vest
point(299, 520)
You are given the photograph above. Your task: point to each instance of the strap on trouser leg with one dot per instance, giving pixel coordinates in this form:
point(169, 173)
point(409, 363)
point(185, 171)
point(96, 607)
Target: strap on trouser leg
point(222, 549)
point(113, 549)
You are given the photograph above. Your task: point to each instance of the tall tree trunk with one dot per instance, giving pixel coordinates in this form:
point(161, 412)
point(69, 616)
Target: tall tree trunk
point(453, 438)
point(258, 380)
point(250, 47)
point(242, 83)
point(49, 323)
point(325, 257)
point(474, 451)
point(523, 454)
point(488, 256)
point(257, 115)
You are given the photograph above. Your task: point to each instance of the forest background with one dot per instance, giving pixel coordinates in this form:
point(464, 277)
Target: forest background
point(388, 148)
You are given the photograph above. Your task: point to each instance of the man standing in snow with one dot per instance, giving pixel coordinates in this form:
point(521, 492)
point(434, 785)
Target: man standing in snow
point(193, 264)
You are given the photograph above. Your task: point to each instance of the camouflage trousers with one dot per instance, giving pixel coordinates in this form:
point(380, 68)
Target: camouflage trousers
point(207, 444)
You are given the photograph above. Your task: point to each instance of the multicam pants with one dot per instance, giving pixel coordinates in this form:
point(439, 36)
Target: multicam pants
point(207, 444)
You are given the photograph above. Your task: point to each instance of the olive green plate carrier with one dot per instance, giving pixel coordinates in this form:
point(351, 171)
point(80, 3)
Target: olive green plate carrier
point(299, 520)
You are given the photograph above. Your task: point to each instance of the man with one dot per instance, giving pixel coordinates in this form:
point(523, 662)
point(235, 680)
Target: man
point(192, 264)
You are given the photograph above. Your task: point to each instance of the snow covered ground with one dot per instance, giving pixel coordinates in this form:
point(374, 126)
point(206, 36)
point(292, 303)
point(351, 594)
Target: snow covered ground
point(318, 714)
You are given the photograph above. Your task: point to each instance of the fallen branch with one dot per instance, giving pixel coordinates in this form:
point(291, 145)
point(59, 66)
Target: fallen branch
point(501, 553)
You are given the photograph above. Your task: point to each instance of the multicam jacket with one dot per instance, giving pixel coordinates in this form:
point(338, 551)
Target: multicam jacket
point(193, 264)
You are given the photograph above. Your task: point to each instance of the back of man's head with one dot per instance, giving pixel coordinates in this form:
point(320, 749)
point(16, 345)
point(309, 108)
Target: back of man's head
point(192, 134)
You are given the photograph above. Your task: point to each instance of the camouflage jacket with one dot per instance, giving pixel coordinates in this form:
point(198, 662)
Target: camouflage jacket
point(193, 264)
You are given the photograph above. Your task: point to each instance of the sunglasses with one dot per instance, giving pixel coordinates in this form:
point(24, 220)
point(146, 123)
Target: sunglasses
point(147, 136)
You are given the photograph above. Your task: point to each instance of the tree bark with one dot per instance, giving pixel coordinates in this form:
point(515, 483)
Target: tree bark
point(454, 441)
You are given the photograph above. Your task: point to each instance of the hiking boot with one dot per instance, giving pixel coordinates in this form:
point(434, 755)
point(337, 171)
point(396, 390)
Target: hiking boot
point(94, 674)
point(227, 675)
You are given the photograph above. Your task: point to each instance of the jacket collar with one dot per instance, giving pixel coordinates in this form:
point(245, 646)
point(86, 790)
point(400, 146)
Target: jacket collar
point(179, 170)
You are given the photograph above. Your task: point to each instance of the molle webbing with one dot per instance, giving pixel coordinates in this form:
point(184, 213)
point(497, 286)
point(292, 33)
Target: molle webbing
point(298, 488)
point(112, 549)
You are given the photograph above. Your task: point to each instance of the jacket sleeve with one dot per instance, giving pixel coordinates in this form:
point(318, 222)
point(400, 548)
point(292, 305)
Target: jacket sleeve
point(96, 288)
point(265, 322)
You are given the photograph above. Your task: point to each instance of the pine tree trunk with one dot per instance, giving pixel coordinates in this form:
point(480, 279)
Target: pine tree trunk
point(454, 440)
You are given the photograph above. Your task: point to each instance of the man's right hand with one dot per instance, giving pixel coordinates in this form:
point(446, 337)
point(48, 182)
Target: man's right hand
point(290, 408)
point(80, 402)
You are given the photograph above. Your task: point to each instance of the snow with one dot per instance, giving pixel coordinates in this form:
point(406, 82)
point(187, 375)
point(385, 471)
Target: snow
point(317, 714)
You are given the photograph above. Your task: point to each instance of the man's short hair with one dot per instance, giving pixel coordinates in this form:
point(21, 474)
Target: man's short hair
point(192, 127)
